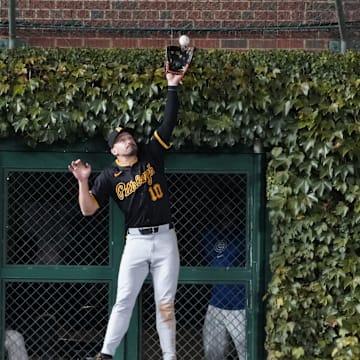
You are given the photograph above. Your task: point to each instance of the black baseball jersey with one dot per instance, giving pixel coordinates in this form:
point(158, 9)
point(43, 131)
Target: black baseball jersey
point(140, 190)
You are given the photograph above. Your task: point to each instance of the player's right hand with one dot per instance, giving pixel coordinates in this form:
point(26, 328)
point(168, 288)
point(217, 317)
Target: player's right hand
point(80, 170)
point(174, 79)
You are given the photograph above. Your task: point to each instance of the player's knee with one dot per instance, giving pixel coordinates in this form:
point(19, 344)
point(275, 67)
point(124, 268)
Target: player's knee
point(167, 311)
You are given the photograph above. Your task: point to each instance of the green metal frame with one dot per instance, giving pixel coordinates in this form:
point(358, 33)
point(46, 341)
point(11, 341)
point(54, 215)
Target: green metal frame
point(245, 163)
point(2, 292)
point(251, 165)
point(57, 161)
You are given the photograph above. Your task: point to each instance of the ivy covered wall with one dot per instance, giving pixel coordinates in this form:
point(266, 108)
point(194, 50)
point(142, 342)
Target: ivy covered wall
point(304, 107)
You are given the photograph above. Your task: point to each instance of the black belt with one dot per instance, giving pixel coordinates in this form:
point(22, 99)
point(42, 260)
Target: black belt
point(150, 230)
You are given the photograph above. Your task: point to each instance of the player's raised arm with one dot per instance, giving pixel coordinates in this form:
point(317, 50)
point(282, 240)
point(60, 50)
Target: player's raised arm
point(82, 172)
point(163, 133)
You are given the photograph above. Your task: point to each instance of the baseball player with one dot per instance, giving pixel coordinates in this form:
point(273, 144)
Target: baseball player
point(137, 183)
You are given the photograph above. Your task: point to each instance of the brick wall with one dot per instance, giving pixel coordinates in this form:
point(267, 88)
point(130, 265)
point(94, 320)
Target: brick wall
point(242, 24)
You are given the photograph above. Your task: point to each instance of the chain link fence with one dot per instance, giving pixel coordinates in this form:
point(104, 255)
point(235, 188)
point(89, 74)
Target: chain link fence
point(47, 317)
point(58, 320)
point(44, 224)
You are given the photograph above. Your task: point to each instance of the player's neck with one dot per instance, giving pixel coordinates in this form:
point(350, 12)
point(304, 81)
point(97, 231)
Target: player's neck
point(126, 160)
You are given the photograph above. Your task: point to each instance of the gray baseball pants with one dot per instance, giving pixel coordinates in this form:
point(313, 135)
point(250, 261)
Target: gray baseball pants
point(158, 254)
point(220, 325)
point(15, 345)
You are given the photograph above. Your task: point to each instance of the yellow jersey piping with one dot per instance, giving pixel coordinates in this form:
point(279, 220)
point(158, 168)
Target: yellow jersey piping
point(94, 200)
point(126, 165)
point(161, 141)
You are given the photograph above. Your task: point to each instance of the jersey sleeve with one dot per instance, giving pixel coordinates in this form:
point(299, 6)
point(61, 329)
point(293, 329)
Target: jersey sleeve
point(101, 189)
point(163, 134)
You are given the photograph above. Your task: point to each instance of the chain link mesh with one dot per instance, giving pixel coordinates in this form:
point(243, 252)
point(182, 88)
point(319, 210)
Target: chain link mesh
point(45, 226)
point(191, 310)
point(202, 200)
point(56, 319)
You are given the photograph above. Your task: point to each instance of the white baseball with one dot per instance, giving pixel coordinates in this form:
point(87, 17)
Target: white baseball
point(184, 40)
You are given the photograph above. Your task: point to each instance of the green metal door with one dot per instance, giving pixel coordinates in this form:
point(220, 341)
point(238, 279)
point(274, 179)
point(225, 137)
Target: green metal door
point(59, 269)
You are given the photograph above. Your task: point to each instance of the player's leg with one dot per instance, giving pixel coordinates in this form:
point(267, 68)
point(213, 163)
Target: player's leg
point(15, 345)
point(132, 273)
point(236, 325)
point(215, 336)
point(165, 272)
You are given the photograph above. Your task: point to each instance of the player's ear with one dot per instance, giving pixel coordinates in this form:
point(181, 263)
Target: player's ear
point(113, 151)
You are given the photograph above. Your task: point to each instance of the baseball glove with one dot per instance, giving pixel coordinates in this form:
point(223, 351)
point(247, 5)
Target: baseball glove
point(178, 59)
